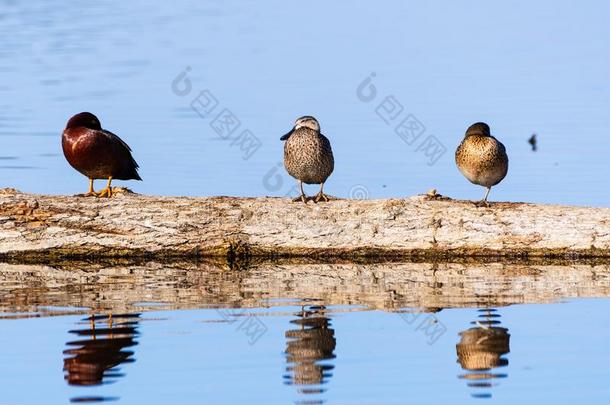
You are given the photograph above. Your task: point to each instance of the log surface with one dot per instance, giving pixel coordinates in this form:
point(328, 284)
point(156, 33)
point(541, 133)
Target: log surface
point(130, 225)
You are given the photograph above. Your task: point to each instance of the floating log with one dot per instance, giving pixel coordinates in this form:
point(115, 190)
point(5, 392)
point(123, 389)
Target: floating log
point(41, 227)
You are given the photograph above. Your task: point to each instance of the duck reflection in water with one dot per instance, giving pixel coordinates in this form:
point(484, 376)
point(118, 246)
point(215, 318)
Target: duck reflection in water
point(480, 351)
point(92, 360)
point(309, 344)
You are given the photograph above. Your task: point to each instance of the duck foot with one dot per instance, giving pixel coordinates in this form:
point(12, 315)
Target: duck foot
point(105, 193)
point(91, 192)
point(302, 198)
point(321, 197)
point(483, 203)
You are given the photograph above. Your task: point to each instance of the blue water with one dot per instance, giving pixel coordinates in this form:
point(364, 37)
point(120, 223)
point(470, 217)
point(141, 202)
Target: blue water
point(193, 356)
point(523, 67)
point(287, 333)
point(162, 75)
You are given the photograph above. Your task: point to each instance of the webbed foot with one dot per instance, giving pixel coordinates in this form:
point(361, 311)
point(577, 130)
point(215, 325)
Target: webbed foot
point(321, 197)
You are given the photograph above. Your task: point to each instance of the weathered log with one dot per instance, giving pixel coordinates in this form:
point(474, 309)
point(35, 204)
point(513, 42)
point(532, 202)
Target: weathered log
point(129, 225)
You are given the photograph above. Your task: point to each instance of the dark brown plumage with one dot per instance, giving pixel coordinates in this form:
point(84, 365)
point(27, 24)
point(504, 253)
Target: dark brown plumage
point(481, 158)
point(97, 153)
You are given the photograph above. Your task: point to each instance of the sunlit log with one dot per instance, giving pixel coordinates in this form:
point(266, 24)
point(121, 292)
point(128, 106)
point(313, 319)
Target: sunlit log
point(130, 225)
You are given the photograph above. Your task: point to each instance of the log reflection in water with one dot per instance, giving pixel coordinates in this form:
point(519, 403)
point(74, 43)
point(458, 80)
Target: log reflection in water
point(24, 289)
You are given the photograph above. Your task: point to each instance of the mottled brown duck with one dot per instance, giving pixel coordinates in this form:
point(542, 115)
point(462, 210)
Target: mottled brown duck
point(482, 158)
point(308, 156)
point(97, 153)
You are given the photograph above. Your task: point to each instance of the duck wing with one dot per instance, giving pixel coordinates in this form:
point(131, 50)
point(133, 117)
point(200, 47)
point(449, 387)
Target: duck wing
point(123, 152)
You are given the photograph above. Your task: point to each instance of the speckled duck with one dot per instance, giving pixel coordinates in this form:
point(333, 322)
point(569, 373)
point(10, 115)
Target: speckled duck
point(308, 156)
point(482, 158)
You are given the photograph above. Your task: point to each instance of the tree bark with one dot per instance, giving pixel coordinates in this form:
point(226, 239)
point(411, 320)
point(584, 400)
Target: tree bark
point(39, 227)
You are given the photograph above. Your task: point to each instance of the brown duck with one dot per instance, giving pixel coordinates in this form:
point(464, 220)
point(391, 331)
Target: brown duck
point(482, 158)
point(308, 156)
point(97, 153)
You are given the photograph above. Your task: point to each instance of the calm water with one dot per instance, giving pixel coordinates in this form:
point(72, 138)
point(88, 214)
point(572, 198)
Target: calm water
point(161, 73)
point(286, 333)
point(523, 67)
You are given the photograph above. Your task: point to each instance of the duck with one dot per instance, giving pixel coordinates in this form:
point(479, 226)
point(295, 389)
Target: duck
point(308, 156)
point(97, 153)
point(481, 158)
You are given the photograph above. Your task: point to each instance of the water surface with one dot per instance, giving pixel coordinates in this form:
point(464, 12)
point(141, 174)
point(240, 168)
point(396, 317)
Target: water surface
point(161, 73)
point(281, 333)
point(523, 67)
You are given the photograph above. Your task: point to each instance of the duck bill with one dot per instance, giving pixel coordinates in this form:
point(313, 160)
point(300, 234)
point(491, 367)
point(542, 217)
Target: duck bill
point(285, 137)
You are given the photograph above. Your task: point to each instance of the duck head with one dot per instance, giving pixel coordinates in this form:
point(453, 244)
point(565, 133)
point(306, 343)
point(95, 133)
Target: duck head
point(306, 121)
point(84, 119)
point(479, 128)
